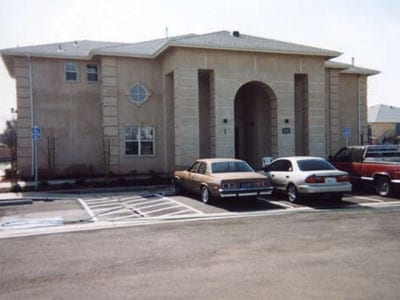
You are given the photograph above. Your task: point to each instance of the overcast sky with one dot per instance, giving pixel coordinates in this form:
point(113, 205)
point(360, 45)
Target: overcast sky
point(368, 30)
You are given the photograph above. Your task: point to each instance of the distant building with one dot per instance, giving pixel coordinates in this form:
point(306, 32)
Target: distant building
point(5, 153)
point(160, 104)
point(384, 123)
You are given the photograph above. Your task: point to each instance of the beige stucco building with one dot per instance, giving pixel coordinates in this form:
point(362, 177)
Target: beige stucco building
point(160, 104)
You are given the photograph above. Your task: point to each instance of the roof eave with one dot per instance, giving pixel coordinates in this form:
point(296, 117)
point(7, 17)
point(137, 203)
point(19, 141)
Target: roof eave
point(8, 62)
point(361, 72)
point(327, 55)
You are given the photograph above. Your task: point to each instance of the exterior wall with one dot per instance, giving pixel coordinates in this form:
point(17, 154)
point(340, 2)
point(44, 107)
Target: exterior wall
point(352, 108)
point(88, 120)
point(132, 71)
point(346, 106)
point(67, 113)
point(276, 71)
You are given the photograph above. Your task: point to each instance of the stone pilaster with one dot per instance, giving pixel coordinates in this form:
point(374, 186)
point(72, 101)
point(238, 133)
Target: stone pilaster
point(223, 108)
point(362, 89)
point(24, 139)
point(334, 111)
point(109, 94)
point(316, 116)
point(186, 114)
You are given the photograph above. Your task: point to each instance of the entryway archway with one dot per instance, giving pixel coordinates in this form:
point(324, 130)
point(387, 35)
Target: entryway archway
point(255, 123)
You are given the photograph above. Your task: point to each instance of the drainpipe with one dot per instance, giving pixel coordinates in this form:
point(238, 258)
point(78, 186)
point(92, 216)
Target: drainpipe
point(32, 115)
point(359, 110)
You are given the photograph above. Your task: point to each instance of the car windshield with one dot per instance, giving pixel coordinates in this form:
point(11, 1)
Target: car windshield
point(230, 166)
point(314, 165)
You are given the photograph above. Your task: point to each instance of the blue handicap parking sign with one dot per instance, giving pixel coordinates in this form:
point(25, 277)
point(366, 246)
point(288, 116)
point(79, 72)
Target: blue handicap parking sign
point(35, 132)
point(347, 132)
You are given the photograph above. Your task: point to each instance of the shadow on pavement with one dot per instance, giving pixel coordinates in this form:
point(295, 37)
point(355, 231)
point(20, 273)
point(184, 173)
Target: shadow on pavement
point(244, 204)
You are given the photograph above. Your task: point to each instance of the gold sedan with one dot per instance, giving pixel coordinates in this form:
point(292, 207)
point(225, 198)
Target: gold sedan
point(221, 178)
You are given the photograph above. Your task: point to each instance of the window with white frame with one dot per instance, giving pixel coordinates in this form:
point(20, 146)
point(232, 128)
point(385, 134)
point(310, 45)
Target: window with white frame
point(71, 71)
point(139, 140)
point(91, 70)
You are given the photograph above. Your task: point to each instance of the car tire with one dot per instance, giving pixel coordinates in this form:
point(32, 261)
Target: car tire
point(383, 186)
point(205, 195)
point(292, 194)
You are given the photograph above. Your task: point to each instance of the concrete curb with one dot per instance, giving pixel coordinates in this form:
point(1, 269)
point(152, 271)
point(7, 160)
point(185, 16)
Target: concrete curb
point(20, 201)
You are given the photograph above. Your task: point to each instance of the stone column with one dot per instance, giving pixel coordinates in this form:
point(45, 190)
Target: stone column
point(285, 110)
point(186, 114)
point(111, 130)
point(316, 115)
point(363, 110)
point(334, 111)
point(223, 108)
point(24, 140)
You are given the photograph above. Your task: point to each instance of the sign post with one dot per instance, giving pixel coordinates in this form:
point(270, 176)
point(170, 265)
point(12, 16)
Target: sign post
point(347, 134)
point(35, 136)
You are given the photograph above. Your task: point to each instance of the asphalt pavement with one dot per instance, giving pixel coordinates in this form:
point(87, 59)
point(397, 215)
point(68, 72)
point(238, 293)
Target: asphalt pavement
point(330, 254)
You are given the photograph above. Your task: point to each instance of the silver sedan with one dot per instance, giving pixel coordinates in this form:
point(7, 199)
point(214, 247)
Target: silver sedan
point(298, 176)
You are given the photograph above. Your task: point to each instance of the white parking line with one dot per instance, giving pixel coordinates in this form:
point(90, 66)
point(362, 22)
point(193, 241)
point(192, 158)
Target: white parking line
point(97, 206)
point(368, 199)
point(161, 209)
point(182, 204)
point(145, 201)
point(277, 203)
point(88, 210)
point(175, 213)
point(116, 211)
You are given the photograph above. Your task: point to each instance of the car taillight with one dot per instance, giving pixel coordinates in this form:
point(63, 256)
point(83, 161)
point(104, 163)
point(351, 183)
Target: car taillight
point(315, 179)
point(227, 185)
point(342, 178)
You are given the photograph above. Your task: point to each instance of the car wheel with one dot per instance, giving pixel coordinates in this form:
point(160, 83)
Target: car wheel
point(205, 195)
point(383, 186)
point(292, 194)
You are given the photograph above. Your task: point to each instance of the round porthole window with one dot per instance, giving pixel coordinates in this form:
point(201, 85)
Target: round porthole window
point(138, 94)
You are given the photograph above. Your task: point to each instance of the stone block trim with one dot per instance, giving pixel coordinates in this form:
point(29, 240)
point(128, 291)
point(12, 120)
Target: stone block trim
point(24, 140)
point(186, 116)
point(109, 97)
point(334, 111)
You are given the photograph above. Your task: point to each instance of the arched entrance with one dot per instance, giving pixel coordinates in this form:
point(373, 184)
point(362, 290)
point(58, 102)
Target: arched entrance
point(255, 123)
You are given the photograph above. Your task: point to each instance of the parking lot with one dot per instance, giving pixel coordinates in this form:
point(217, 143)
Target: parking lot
point(117, 207)
point(165, 204)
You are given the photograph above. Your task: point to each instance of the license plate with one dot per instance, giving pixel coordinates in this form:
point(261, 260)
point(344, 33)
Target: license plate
point(330, 180)
point(246, 185)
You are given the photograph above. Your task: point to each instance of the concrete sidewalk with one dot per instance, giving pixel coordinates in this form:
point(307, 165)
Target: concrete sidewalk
point(40, 212)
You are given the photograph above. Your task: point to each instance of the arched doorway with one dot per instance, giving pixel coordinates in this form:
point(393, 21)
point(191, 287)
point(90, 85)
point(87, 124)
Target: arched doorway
point(255, 123)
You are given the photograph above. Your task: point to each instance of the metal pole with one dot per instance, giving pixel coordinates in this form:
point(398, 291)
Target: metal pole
point(36, 164)
point(32, 114)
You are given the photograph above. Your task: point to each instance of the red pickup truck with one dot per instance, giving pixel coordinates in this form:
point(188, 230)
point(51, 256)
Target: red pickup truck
point(379, 164)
